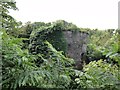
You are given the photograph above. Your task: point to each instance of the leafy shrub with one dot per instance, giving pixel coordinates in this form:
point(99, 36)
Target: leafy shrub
point(99, 74)
point(19, 68)
point(112, 51)
point(104, 45)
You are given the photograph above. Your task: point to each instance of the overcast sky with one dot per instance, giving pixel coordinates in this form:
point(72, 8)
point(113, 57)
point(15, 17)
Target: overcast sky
point(101, 14)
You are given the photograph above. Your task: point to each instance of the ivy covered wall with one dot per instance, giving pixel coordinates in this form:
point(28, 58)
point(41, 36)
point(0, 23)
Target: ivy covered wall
point(64, 37)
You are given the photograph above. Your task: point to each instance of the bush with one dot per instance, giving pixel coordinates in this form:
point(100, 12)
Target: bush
point(99, 74)
point(20, 70)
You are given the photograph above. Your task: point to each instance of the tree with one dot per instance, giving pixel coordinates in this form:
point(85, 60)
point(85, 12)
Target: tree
point(7, 21)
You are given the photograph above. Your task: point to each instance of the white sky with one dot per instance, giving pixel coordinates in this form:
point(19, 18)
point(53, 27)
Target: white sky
point(101, 14)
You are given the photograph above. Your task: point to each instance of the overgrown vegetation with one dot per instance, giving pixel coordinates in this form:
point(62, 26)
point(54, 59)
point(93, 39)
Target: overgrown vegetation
point(41, 63)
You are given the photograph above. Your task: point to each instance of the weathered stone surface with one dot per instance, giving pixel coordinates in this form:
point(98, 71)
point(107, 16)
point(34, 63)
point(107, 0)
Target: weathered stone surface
point(76, 45)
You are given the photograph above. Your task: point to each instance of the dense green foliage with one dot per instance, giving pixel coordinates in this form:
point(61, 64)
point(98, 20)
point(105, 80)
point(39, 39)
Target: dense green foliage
point(99, 75)
point(52, 33)
point(104, 45)
point(19, 67)
point(41, 63)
